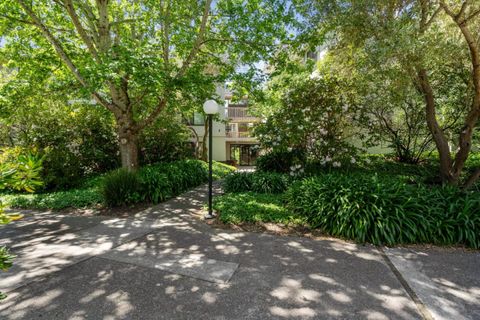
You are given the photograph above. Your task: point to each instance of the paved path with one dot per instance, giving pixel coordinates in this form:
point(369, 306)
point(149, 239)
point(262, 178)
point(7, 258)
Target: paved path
point(165, 264)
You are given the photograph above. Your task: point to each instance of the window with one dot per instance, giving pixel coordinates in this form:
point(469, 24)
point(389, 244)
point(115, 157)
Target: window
point(197, 119)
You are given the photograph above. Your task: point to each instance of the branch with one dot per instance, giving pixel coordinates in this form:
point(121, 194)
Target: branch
point(462, 9)
point(63, 55)
point(471, 16)
point(198, 40)
point(148, 120)
point(166, 36)
point(429, 22)
point(472, 179)
point(103, 26)
point(80, 29)
point(16, 19)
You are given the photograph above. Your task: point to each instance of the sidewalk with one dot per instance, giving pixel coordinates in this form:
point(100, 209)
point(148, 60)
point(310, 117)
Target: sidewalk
point(166, 264)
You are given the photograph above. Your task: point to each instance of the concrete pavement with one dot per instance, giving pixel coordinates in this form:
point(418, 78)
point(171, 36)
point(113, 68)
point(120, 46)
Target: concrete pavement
point(165, 264)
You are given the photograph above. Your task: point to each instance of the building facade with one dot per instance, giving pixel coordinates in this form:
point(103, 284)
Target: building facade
point(233, 141)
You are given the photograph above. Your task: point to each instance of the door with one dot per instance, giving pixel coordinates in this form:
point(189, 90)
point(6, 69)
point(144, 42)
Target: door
point(244, 154)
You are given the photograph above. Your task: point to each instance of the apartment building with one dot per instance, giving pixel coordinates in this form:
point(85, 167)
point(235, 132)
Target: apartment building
point(233, 141)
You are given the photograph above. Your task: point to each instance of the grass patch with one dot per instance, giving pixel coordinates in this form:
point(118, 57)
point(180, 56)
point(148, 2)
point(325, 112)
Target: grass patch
point(250, 207)
point(75, 198)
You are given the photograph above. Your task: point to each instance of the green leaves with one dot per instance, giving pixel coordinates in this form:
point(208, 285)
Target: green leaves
point(261, 182)
point(21, 171)
point(384, 209)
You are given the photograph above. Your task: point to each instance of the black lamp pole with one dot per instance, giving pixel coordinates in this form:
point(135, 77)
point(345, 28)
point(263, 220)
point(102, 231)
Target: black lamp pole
point(210, 193)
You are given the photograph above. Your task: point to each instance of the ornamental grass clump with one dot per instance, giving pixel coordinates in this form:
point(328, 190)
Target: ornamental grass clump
point(387, 210)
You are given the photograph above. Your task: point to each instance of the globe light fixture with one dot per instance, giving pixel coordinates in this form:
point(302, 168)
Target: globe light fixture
point(210, 107)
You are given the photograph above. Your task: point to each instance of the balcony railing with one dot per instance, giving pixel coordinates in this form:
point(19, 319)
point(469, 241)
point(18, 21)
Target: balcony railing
point(240, 113)
point(238, 134)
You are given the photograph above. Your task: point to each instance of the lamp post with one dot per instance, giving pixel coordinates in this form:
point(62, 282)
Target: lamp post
point(210, 107)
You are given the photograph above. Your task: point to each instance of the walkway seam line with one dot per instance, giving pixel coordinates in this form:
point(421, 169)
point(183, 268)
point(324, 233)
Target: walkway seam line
point(424, 312)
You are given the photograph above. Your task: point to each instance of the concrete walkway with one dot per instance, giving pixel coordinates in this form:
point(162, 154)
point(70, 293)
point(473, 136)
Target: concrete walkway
point(165, 264)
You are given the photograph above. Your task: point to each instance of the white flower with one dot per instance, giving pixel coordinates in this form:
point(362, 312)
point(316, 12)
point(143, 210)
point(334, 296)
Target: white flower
point(328, 159)
point(292, 168)
point(336, 164)
point(345, 108)
point(289, 148)
point(353, 160)
point(292, 174)
point(315, 75)
point(289, 121)
point(298, 166)
point(300, 127)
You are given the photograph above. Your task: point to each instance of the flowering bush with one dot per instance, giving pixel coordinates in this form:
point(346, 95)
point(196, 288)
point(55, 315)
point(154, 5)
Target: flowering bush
point(315, 117)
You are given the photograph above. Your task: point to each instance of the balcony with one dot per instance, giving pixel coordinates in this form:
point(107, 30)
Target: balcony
point(240, 135)
point(240, 114)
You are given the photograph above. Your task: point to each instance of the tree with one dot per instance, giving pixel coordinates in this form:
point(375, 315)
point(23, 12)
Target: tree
point(137, 58)
point(417, 36)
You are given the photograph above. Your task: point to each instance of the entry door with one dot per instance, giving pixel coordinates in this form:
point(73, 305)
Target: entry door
point(243, 154)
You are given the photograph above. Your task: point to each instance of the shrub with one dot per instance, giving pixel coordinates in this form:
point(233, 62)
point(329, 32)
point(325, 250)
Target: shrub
point(279, 161)
point(76, 140)
point(261, 182)
point(238, 182)
point(386, 210)
point(221, 170)
point(164, 141)
point(254, 207)
point(21, 169)
point(313, 114)
point(121, 187)
point(164, 180)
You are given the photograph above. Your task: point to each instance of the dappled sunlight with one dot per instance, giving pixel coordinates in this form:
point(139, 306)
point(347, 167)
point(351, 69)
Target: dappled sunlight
point(298, 246)
point(291, 289)
point(293, 313)
point(173, 264)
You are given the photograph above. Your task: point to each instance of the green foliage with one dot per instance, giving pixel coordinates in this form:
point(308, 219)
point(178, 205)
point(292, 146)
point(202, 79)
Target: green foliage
point(76, 142)
point(164, 141)
point(21, 170)
point(384, 209)
point(121, 187)
point(154, 183)
point(156, 57)
point(316, 118)
point(57, 200)
point(6, 261)
point(221, 170)
point(260, 182)
point(280, 160)
point(254, 207)
point(165, 180)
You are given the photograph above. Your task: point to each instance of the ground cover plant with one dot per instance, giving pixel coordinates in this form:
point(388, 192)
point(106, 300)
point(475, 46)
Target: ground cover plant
point(251, 207)
point(386, 209)
point(260, 182)
point(377, 200)
point(152, 183)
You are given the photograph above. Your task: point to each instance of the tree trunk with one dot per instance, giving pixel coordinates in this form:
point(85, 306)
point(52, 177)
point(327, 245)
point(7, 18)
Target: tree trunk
point(129, 152)
point(438, 135)
point(128, 144)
